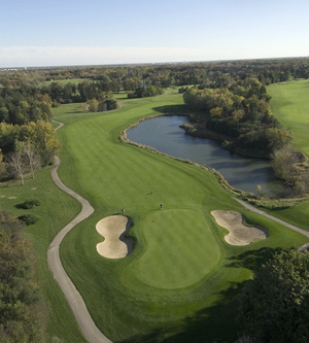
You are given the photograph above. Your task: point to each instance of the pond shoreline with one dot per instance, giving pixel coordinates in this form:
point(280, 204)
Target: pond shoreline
point(195, 130)
point(274, 203)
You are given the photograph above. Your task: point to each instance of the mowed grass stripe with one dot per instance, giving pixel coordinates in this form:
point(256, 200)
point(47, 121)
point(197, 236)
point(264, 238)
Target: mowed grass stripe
point(180, 249)
point(291, 106)
point(119, 167)
point(145, 179)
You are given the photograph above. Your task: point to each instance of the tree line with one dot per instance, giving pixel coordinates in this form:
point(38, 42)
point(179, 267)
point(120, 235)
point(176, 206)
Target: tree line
point(26, 148)
point(231, 94)
point(21, 308)
point(130, 77)
point(241, 111)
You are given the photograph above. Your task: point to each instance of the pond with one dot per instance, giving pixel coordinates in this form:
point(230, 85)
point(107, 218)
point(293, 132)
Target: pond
point(165, 135)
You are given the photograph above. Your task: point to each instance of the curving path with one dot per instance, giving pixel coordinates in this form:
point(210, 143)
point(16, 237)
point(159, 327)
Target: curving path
point(76, 302)
point(264, 214)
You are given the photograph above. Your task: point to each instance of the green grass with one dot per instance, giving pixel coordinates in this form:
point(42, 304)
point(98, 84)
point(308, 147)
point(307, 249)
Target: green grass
point(52, 218)
point(165, 233)
point(181, 282)
point(181, 270)
point(291, 106)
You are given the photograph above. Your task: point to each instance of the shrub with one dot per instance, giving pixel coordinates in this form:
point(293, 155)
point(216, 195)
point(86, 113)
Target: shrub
point(28, 219)
point(31, 203)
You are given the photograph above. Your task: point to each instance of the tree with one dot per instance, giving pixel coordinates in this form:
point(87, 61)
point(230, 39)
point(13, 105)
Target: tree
point(216, 112)
point(274, 306)
point(32, 157)
point(22, 315)
point(41, 135)
point(93, 105)
point(283, 162)
point(17, 165)
point(8, 136)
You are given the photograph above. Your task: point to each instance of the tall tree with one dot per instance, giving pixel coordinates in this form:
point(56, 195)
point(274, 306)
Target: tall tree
point(274, 307)
point(17, 165)
point(31, 157)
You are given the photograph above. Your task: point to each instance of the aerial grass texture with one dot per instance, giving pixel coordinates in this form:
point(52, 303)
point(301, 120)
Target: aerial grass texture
point(291, 107)
point(182, 279)
point(181, 282)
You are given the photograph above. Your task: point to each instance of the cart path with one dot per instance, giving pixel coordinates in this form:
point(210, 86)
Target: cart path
point(282, 222)
point(76, 302)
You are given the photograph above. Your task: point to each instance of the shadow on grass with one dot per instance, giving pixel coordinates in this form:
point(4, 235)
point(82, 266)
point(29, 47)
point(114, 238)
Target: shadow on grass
point(214, 324)
point(173, 109)
point(253, 259)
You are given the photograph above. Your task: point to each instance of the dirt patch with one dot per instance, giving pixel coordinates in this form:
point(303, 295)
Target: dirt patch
point(12, 197)
point(240, 234)
point(113, 229)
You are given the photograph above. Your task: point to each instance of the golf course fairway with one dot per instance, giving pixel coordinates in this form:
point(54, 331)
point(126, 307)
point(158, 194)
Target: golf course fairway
point(181, 281)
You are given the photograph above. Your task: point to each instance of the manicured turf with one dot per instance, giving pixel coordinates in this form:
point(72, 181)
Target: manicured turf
point(291, 106)
point(169, 279)
point(181, 282)
point(176, 240)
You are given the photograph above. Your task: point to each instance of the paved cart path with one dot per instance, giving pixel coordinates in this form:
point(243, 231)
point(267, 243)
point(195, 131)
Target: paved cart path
point(76, 302)
point(264, 214)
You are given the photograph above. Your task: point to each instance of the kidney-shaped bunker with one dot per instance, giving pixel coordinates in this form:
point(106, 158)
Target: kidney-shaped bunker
point(113, 229)
point(239, 233)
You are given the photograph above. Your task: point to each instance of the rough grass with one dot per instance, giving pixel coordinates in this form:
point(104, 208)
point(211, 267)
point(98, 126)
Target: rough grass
point(195, 305)
point(291, 107)
point(56, 210)
point(152, 296)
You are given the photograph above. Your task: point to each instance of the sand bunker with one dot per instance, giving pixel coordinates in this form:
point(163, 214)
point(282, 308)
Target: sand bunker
point(239, 233)
point(113, 228)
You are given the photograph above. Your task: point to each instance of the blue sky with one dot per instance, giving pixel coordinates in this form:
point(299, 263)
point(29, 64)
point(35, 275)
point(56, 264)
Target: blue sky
point(82, 32)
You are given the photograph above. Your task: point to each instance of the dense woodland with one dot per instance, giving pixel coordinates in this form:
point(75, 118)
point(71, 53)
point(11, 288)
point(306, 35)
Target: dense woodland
point(241, 111)
point(22, 315)
point(226, 98)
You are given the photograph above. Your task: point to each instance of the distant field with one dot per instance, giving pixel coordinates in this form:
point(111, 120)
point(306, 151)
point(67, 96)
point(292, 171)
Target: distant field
point(290, 103)
point(181, 282)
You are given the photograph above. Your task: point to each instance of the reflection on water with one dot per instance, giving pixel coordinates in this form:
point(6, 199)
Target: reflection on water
point(165, 135)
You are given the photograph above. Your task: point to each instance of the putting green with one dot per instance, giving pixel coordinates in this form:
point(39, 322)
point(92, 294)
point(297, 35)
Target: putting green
point(180, 249)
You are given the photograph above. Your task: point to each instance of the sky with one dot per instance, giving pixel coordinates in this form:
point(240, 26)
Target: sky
point(38, 33)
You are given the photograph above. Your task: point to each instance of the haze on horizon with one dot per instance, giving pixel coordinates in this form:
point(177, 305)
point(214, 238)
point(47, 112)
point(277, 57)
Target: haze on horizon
point(97, 32)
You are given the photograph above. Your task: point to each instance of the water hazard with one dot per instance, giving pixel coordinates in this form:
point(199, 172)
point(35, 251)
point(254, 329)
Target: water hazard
point(165, 135)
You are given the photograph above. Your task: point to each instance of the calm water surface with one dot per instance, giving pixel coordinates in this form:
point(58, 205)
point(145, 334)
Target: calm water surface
point(165, 135)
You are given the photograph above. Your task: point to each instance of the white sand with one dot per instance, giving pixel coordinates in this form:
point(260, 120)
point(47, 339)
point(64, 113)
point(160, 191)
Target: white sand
point(115, 245)
point(239, 233)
